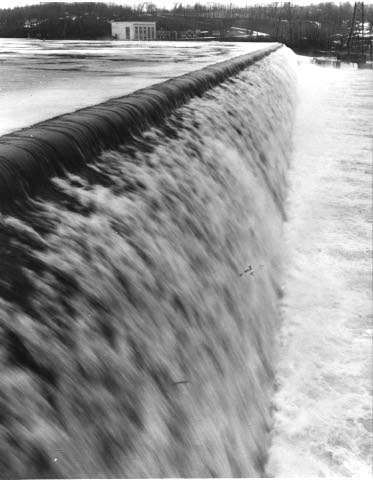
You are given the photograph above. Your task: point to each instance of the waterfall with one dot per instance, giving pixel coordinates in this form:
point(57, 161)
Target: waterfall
point(139, 294)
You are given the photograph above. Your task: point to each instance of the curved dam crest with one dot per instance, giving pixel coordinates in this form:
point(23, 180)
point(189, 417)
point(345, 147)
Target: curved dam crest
point(139, 293)
point(32, 155)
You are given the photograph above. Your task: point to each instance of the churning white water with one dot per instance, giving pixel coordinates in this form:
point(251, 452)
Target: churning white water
point(323, 407)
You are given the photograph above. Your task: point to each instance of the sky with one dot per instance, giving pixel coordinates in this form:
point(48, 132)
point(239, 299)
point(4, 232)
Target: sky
point(159, 3)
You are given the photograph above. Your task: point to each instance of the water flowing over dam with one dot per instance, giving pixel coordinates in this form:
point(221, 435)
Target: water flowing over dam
point(139, 295)
point(185, 271)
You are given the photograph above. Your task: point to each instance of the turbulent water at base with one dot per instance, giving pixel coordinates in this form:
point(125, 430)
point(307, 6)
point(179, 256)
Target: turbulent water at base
point(323, 402)
point(139, 298)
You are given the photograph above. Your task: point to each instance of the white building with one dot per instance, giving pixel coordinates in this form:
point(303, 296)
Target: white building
point(134, 30)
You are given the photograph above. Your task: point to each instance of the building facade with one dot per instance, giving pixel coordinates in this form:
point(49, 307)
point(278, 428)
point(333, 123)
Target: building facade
point(134, 30)
point(167, 34)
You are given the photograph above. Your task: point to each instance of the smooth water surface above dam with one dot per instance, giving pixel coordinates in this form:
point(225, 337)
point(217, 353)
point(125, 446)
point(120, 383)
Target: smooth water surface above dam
point(43, 79)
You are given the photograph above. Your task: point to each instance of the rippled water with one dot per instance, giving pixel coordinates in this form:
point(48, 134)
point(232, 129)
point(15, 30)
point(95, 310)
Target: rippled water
point(323, 404)
point(42, 79)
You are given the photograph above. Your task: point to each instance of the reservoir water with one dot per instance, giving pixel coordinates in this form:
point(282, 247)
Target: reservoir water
point(42, 79)
point(196, 302)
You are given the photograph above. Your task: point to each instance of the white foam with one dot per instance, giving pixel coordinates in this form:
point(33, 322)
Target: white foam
point(323, 403)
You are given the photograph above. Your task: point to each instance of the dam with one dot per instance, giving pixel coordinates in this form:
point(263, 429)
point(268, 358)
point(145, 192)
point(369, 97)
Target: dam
point(180, 293)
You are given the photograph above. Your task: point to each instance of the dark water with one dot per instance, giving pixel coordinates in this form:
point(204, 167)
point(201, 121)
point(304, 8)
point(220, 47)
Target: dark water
point(139, 300)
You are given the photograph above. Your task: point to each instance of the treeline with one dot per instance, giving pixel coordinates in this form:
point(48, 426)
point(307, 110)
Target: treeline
point(63, 20)
point(322, 26)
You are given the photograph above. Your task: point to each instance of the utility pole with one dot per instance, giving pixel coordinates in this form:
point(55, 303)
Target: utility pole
point(290, 24)
point(356, 37)
point(362, 30)
point(350, 35)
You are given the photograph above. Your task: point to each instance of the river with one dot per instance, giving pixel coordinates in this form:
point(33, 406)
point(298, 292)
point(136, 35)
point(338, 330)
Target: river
point(323, 418)
point(42, 79)
point(196, 302)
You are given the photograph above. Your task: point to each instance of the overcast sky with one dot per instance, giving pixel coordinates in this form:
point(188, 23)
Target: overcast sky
point(159, 3)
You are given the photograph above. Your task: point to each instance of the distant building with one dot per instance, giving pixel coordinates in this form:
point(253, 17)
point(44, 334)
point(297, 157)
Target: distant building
point(134, 30)
point(189, 34)
point(167, 34)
